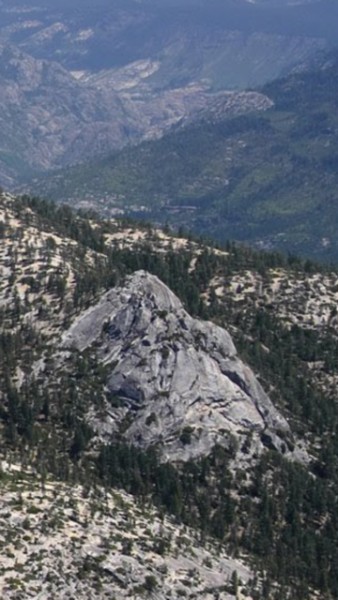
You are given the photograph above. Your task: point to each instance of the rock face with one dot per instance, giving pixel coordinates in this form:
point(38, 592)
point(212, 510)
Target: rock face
point(178, 382)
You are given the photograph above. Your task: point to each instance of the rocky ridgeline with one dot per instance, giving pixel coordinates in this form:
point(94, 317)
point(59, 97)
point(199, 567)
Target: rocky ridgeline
point(232, 104)
point(308, 300)
point(180, 382)
point(295, 297)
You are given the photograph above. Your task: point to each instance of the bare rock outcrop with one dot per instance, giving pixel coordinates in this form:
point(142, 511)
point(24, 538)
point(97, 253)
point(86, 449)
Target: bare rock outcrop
point(179, 381)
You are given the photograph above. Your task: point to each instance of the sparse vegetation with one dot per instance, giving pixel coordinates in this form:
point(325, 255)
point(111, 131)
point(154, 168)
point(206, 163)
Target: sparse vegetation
point(281, 312)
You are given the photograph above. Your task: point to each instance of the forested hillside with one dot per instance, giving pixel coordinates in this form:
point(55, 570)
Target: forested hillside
point(277, 508)
point(267, 178)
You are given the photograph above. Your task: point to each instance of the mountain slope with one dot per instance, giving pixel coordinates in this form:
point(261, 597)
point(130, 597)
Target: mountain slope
point(73, 540)
point(51, 118)
point(267, 178)
point(90, 38)
point(58, 269)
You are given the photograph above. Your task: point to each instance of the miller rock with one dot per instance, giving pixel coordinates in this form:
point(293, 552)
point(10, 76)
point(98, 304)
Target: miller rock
point(174, 382)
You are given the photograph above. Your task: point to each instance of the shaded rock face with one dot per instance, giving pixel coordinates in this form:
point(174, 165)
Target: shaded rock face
point(180, 383)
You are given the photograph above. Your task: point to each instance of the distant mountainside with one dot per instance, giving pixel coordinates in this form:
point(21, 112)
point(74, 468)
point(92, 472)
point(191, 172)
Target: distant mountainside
point(82, 36)
point(49, 118)
point(268, 178)
point(80, 79)
point(120, 377)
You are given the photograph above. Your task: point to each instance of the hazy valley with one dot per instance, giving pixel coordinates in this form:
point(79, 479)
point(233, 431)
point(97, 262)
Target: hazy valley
point(264, 177)
point(78, 81)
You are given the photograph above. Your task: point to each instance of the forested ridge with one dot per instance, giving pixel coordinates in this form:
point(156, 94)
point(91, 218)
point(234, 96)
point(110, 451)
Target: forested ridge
point(281, 514)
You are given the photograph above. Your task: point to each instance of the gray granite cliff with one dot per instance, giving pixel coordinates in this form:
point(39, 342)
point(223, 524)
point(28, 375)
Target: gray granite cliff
point(177, 382)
